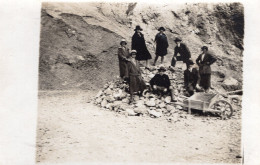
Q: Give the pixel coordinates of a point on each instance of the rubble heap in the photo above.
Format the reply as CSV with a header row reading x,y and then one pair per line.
x,y
114,96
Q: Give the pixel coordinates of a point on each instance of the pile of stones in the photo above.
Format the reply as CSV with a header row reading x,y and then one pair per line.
x,y
114,96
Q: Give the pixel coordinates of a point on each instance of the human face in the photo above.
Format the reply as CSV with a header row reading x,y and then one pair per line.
x,y
178,43
133,55
161,72
138,31
204,51
123,43
161,31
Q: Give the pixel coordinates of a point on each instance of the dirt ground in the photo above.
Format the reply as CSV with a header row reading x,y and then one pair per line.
x,y
70,129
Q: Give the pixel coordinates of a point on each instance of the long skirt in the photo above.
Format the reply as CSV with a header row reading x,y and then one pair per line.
x,y
205,81
136,84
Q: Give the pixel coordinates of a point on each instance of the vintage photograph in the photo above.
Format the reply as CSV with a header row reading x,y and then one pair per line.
x,y
140,83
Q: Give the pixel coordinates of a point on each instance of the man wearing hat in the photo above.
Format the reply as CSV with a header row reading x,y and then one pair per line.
x,y
183,50
123,54
161,45
204,61
161,84
190,78
138,44
136,82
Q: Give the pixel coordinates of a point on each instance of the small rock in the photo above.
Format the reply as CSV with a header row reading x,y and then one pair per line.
x,y
154,113
104,103
167,100
130,112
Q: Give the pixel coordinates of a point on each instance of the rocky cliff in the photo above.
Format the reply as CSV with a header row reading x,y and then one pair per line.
x,y
79,41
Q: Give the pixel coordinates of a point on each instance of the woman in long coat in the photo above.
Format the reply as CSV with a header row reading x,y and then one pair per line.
x,y
161,45
204,61
138,44
136,83
123,54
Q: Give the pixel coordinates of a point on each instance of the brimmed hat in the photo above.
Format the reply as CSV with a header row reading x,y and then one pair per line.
x,y
177,39
161,28
133,51
204,47
162,69
190,62
138,28
123,40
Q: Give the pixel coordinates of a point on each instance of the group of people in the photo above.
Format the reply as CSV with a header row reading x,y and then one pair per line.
x,y
130,71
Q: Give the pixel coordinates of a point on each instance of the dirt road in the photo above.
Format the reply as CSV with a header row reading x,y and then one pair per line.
x,y
72,130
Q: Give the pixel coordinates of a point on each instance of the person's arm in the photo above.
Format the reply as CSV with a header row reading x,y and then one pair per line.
x,y
212,60
175,51
133,45
120,54
198,60
187,51
168,82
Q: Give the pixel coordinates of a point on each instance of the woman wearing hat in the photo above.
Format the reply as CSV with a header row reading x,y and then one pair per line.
x,y
190,78
161,45
136,83
123,54
204,61
183,50
138,44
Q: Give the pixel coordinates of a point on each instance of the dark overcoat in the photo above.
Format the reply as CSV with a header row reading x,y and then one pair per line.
x,y
161,44
204,64
138,44
136,82
191,78
123,54
161,80
183,51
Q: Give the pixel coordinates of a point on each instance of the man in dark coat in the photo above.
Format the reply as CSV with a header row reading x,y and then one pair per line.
x,y
138,44
204,61
123,54
136,82
161,84
190,78
161,45
184,52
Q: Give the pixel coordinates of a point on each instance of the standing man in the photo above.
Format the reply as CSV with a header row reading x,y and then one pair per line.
x,y
123,54
138,44
191,76
204,61
184,52
161,84
161,45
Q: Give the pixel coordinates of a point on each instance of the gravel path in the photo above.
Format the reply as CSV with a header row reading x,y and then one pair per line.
x,y
72,130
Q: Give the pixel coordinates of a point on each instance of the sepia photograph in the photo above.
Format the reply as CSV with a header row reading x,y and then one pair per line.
x,y
140,82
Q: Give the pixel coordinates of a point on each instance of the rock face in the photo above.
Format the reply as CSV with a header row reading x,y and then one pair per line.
x,y
79,41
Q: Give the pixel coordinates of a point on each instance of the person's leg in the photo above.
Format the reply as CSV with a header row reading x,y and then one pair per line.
x,y
162,59
155,60
172,94
173,62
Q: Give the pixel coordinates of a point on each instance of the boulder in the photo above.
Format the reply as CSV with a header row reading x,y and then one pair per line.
x,y
151,102
104,103
155,113
98,100
99,93
108,91
170,108
130,112
168,99
162,105
230,81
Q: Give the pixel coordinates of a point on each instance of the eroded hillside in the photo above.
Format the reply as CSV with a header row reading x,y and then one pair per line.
x,y
78,48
